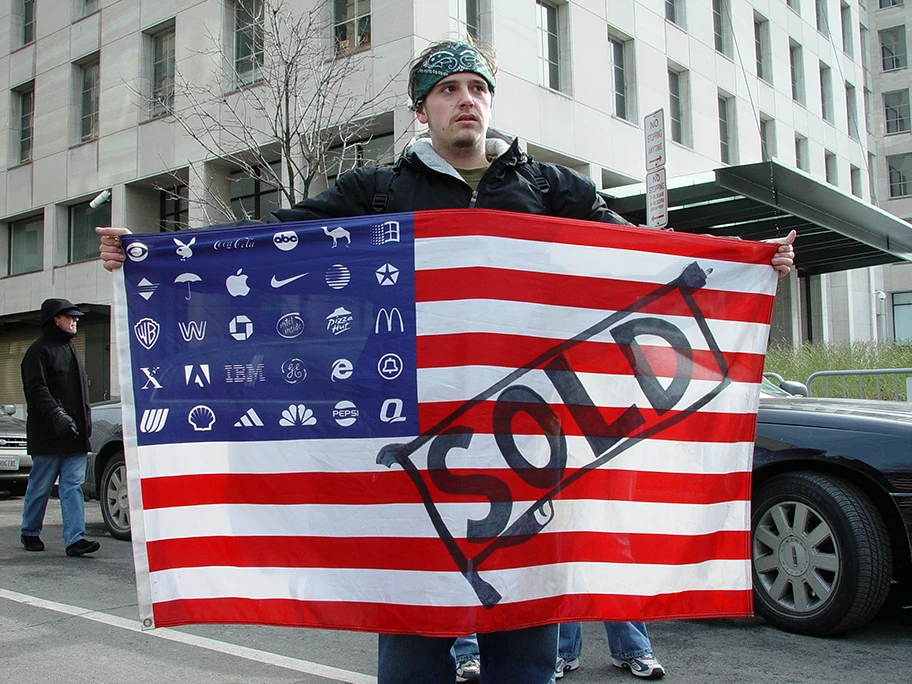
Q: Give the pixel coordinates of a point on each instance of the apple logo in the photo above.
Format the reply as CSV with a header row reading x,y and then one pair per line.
x,y
237,284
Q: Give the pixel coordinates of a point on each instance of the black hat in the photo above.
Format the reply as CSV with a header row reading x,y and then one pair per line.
x,y
55,307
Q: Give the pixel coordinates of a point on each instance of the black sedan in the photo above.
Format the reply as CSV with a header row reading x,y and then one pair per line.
x,y
832,505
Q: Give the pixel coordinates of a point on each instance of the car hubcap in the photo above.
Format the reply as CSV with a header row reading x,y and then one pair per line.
x,y
118,503
795,556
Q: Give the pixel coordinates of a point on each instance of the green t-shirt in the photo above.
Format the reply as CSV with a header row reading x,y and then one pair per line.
x,y
472,176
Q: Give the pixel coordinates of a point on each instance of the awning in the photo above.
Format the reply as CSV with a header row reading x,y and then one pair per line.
x,y
836,231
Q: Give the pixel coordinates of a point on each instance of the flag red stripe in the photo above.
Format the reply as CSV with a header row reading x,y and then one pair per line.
x,y
476,282
430,555
698,426
395,487
452,223
443,621
516,351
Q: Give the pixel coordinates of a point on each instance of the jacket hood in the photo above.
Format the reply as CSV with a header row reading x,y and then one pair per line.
x,y
497,144
52,307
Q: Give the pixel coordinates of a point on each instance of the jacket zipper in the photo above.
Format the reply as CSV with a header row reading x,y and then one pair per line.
x,y
474,199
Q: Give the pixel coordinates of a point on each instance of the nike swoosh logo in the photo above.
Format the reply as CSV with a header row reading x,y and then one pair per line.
x,y
282,283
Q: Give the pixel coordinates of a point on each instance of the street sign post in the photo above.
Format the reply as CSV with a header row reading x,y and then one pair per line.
x,y
654,125
656,199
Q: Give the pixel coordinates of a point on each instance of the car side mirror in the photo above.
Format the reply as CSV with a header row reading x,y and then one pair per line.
x,y
799,389
8,409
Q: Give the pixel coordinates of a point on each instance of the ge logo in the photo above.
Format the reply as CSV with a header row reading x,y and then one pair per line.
x,y
342,369
293,371
286,240
389,366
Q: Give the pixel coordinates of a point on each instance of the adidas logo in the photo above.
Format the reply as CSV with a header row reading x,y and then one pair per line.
x,y
249,419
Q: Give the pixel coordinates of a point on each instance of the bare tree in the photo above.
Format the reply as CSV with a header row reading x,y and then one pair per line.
x,y
292,90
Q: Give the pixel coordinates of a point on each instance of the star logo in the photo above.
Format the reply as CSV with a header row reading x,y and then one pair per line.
x,y
387,275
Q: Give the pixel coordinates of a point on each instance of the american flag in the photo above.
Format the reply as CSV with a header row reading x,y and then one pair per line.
x,y
440,423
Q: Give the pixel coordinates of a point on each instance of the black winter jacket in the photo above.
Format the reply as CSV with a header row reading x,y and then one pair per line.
x,y
422,180
52,376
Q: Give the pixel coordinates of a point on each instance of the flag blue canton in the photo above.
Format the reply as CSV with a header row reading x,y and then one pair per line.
x,y
274,332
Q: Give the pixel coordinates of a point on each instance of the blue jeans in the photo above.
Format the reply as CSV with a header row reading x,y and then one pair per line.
x,y
45,469
465,648
520,655
625,640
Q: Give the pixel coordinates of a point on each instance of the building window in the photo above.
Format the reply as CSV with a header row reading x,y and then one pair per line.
x,y
83,242
621,76
162,95
821,13
677,106
845,18
767,137
855,180
902,316
893,48
872,188
254,196
465,17
26,246
890,3
793,4
28,21
248,40
801,153
826,93
351,25
721,26
851,111
173,209
796,72
674,11
379,150
548,45
829,166
867,110
762,49
863,45
89,73
899,168
725,128
26,102
89,6
896,111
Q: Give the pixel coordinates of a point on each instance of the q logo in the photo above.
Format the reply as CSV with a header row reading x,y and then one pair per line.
x,y
342,369
391,411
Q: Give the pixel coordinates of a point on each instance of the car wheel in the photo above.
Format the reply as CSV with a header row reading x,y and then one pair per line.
x,y
115,506
821,555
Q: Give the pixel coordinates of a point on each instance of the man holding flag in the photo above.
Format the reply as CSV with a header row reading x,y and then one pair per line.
x,y
461,164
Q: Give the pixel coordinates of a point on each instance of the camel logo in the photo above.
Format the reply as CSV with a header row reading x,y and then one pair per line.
x,y
287,240
381,233
153,420
389,316
297,415
339,321
147,332
338,234
193,330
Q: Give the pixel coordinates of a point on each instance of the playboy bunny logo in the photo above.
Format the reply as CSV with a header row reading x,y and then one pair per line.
x,y
183,250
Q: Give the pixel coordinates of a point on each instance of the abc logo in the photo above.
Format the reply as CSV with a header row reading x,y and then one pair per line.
x,y
285,241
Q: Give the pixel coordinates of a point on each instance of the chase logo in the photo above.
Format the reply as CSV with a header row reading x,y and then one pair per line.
x,y
286,240
147,332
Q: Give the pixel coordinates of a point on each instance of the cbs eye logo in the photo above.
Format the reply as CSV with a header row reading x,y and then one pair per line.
x,y
136,251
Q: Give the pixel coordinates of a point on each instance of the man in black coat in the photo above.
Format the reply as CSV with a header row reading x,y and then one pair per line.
x,y
58,428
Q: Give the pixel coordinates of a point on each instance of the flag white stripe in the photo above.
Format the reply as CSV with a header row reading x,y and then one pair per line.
x,y
356,457
411,520
562,323
461,383
580,260
428,588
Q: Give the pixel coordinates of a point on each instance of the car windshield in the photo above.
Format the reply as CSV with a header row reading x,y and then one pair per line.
x,y
768,389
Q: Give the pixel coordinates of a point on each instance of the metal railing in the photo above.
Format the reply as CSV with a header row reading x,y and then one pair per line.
x,y
901,391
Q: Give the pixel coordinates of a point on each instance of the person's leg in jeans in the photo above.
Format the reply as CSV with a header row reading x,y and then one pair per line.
x,y
72,501
519,655
464,651
631,650
41,480
569,648
413,659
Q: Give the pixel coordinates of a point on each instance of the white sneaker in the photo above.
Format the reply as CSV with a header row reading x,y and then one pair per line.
x,y
645,666
469,671
565,666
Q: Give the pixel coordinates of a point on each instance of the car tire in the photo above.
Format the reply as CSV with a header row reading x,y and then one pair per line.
x,y
821,556
112,492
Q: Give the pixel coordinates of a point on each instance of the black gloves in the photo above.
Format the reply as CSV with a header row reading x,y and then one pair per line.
x,y
64,426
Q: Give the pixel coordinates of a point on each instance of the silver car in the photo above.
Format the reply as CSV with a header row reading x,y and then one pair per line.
x,y
15,463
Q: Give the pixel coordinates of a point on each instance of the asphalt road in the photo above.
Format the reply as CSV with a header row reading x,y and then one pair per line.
x,y
73,620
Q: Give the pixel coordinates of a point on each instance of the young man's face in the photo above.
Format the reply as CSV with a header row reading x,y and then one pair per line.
x,y
457,111
66,323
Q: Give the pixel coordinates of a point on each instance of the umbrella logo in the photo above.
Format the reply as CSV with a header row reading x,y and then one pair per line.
x,y
188,278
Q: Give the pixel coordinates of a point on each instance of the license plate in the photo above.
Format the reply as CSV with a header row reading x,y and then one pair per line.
x,y
9,463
